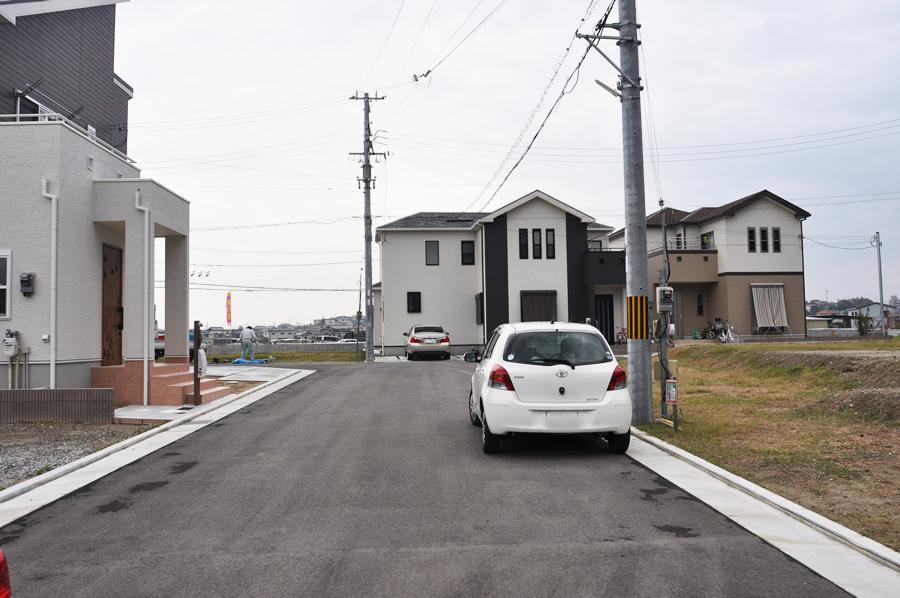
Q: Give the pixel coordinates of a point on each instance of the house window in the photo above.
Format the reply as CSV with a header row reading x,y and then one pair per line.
x,y
414,302
763,240
432,253
467,248
707,241
479,308
551,244
523,243
536,243
595,244
699,304
5,295
679,243
776,240
751,240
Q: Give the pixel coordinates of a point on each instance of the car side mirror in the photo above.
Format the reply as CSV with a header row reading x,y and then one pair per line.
x,y
405,334
471,357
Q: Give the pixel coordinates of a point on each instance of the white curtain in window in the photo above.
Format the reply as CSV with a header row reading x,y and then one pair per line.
x,y
768,304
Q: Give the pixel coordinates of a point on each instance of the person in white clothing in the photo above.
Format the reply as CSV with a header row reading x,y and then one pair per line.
x,y
248,337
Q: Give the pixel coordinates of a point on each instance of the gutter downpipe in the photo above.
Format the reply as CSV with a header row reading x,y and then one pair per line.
x,y
146,211
54,234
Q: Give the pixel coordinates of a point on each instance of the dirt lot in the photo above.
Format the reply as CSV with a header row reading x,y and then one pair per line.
x,y
27,450
819,425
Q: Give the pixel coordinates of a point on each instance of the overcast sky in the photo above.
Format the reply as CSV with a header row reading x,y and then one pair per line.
x,y
242,108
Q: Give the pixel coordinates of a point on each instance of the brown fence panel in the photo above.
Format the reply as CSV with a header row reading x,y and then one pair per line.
x,y
69,405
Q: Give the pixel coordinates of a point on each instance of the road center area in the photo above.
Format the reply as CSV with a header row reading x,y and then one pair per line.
x,y
370,480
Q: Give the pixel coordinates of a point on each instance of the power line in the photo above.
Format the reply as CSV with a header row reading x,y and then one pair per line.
x,y
418,35
268,265
598,29
276,224
383,44
463,40
559,64
837,247
893,123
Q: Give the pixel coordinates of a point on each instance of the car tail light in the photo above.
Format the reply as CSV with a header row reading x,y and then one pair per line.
x,y
5,586
445,339
500,378
414,340
618,380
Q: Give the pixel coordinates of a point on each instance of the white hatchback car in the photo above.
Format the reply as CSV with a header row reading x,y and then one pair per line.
x,y
549,377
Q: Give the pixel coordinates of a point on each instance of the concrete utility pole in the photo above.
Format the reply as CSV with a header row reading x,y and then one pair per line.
x,y
636,280
368,182
877,241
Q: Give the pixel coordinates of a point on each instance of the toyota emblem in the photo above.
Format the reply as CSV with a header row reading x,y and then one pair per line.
x,y
561,373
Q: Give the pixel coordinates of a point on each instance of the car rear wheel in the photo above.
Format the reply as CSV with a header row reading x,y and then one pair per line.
x,y
490,442
473,417
618,443
411,356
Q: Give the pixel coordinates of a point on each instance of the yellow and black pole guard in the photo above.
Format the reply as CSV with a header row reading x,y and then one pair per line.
x,y
637,317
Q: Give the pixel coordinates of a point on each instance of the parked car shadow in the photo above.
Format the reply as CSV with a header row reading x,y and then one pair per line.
x,y
555,446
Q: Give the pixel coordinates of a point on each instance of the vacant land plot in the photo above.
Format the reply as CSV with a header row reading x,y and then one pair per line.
x,y
817,423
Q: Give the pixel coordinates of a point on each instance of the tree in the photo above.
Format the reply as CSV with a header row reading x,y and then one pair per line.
x,y
843,304
864,325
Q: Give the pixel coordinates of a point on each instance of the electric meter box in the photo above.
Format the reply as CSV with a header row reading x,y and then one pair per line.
x,y
665,299
10,346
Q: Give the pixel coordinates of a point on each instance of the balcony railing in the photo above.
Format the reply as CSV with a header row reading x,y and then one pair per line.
x,y
53,117
691,244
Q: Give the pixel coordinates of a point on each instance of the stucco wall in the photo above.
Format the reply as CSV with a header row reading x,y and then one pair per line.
x,y
448,289
28,153
761,213
531,274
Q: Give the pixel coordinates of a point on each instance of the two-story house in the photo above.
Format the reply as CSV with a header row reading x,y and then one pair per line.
x,y
536,258
78,223
741,262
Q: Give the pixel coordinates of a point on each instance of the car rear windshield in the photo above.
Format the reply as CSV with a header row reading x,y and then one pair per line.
x,y
438,329
557,346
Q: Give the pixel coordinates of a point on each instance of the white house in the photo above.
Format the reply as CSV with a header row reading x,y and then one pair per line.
x,y
470,272
78,223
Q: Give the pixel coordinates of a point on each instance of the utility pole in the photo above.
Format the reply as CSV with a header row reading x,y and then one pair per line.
x,y
367,183
877,241
636,280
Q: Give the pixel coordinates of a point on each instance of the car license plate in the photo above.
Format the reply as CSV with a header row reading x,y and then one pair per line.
x,y
430,341
562,418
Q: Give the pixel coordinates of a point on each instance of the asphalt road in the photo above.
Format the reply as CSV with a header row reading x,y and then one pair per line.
x,y
371,482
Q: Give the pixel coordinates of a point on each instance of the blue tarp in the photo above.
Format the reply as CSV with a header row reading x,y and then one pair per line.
x,y
240,361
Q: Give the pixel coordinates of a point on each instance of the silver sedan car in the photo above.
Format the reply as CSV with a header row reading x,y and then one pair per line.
x,y
422,340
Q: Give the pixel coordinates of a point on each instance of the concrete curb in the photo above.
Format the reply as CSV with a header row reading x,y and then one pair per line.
x,y
35,482
866,546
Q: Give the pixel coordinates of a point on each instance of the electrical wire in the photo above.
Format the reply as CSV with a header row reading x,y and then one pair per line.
x,y
837,247
383,44
463,40
267,265
418,35
556,69
598,29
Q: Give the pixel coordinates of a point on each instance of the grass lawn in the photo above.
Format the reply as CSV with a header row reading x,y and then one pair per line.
x,y
298,357
818,423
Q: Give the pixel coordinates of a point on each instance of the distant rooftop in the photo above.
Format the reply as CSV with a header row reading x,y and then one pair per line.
x,y
426,220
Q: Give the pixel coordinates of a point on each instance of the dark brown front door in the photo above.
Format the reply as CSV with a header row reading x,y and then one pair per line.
x,y
112,313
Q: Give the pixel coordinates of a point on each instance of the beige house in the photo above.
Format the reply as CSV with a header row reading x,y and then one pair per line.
x,y
741,262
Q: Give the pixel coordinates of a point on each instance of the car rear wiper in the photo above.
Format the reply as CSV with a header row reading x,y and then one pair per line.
x,y
557,360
